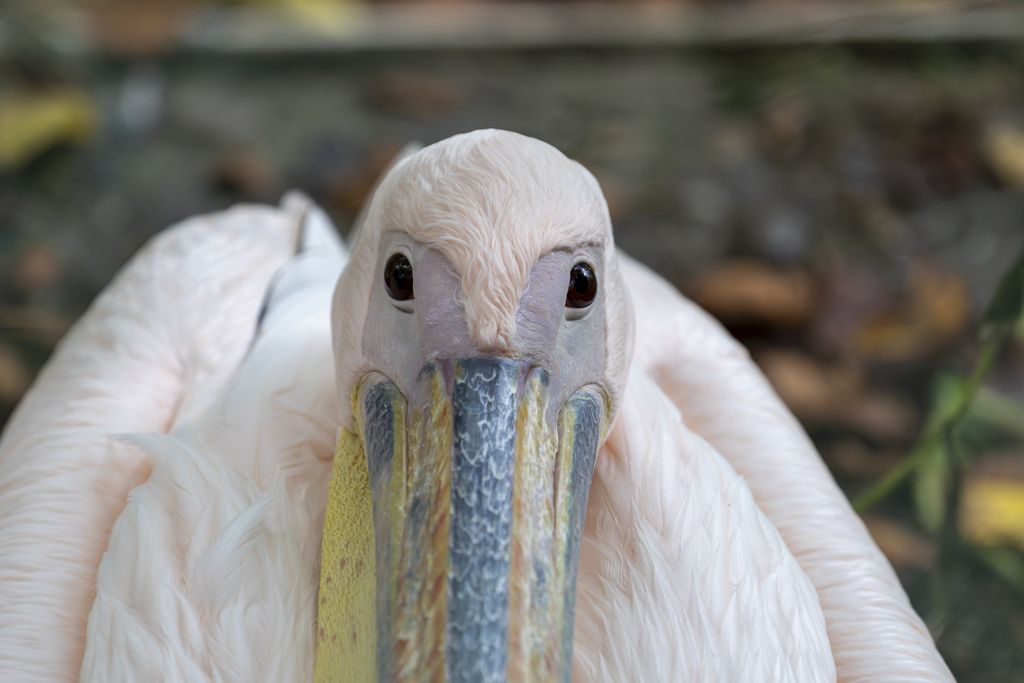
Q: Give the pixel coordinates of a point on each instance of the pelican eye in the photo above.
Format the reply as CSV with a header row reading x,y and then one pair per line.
x,y
582,286
398,278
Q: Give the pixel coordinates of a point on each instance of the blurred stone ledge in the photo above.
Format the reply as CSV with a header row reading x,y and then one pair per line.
x,y
597,24
131,29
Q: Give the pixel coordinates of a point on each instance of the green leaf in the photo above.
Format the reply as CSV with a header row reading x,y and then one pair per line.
x,y
998,409
949,397
931,487
1004,310
952,402
1006,562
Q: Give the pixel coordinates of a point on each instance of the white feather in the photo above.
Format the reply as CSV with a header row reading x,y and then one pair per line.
x,y
875,633
682,577
213,568
157,346
210,573
207,577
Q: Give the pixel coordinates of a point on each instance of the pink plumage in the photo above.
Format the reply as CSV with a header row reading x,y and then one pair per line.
x,y
162,487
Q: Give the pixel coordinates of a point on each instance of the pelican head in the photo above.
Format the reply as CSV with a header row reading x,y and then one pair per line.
x,y
482,336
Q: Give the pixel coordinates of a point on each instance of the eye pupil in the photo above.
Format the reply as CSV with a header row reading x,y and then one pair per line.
x,y
398,278
582,286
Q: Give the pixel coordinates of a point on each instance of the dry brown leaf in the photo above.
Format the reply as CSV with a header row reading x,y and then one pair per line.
x,y
820,394
853,458
745,291
44,328
849,297
1003,145
418,97
36,268
880,416
350,190
904,548
811,389
14,377
784,124
936,309
939,299
134,28
33,122
246,172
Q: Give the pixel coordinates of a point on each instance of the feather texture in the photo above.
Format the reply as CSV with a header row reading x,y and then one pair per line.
x,y
492,202
682,577
221,413
209,577
213,567
206,577
122,368
875,633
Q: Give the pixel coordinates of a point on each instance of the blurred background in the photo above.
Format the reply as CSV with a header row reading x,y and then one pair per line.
x,y
841,185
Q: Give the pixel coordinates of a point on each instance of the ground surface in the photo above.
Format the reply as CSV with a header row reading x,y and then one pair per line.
x,y
846,212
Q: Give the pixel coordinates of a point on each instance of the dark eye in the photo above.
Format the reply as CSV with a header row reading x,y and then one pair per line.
x,y
582,286
398,278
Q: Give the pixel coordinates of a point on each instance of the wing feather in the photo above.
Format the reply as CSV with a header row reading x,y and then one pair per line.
x,y
156,347
874,631
682,577
226,532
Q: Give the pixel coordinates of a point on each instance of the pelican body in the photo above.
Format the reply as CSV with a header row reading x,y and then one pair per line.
x,y
481,446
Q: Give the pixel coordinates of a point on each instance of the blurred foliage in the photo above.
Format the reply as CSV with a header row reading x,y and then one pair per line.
x,y
32,123
990,512
1006,562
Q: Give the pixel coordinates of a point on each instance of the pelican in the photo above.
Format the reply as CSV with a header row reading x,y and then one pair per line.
x,y
481,446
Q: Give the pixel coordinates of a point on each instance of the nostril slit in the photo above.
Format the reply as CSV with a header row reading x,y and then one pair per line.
x,y
448,374
526,372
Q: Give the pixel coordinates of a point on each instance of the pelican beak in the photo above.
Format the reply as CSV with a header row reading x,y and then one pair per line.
x,y
479,492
